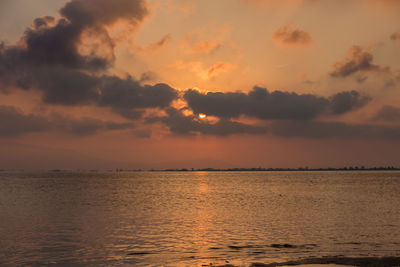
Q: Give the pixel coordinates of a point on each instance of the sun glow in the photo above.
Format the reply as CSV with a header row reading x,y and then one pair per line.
x,y
202,116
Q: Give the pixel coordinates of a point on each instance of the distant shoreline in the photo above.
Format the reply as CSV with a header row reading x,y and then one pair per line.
x,y
389,168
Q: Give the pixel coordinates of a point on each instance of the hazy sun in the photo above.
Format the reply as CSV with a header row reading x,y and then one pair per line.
x,y
202,116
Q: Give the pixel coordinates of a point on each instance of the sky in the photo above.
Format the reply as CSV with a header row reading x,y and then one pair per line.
x,y
97,84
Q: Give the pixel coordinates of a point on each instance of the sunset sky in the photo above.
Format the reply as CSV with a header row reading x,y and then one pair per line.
x,y
184,83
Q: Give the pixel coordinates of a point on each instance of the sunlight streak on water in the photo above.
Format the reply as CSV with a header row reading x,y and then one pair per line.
x,y
195,218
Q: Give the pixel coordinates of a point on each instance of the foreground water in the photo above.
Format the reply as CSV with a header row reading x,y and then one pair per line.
x,y
195,218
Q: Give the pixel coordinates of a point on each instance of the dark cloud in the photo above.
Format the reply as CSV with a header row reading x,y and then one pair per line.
x,y
388,113
180,124
277,105
85,126
129,98
57,85
361,79
189,125
91,17
320,130
347,101
125,96
50,59
129,93
52,42
142,133
395,36
67,87
54,46
357,60
288,35
147,76
55,58
43,22
16,123
95,13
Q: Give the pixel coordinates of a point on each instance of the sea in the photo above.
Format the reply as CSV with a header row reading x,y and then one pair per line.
x,y
196,218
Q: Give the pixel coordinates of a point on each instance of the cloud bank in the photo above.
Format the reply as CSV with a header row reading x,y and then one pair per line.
x,y
261,104
54,59
16,123
67,61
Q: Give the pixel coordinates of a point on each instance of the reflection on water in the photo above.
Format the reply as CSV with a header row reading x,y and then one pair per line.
x,y
195,218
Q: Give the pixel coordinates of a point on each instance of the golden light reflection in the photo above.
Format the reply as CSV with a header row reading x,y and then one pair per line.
x,y
204,214
202,116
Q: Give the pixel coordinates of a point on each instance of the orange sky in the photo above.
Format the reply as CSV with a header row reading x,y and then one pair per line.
x,y
94,84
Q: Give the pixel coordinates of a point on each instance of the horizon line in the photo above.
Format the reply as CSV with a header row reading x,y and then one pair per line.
x,y
259,169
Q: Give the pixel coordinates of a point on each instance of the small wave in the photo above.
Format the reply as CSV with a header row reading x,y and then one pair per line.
x,y
292,246
349,243
361,261
242,247
139,253
282,246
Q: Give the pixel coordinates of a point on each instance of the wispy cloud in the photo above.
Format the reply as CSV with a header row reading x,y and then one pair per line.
x,y
206,73
160,44
357,60
290,35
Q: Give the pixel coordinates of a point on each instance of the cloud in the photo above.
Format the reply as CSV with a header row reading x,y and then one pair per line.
x,y
357,60
208,41
180,124
78,40
65,59
43,22
97,13
61,42
125,96
220,67
205,47
128,97
48,47
321,130
206,73
261,104
155,46
142,133
85,126
347,101
65,87
395,36
16,123
148,76
288,35
185,7
388,113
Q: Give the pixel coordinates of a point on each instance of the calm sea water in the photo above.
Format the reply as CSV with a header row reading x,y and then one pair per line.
x,y
195,218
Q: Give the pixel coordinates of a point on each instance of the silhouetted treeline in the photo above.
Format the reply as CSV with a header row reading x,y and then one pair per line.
x,y
350,168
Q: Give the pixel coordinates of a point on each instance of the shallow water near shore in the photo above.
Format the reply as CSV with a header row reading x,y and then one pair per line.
x,y
196,218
